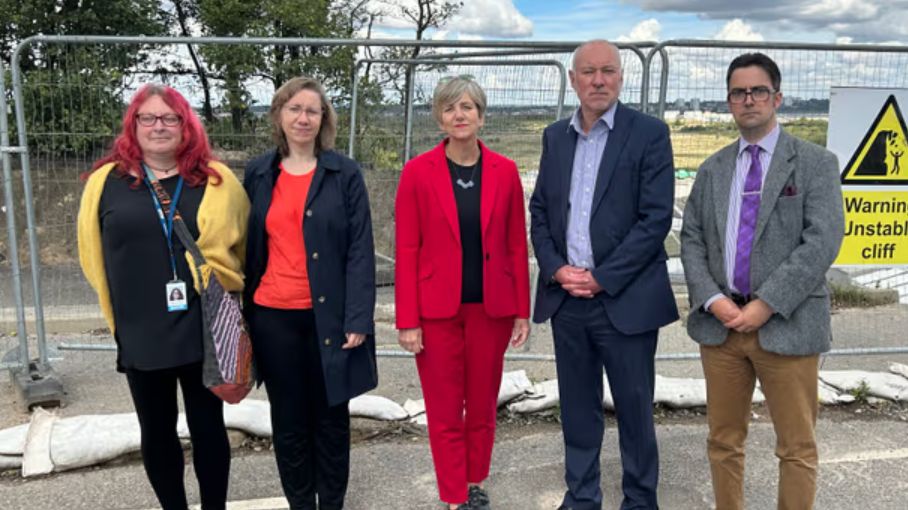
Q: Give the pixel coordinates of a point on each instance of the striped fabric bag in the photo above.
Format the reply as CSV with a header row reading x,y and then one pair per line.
x,y
227,349
227,354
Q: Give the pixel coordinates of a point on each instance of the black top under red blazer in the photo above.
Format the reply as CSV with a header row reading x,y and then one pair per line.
x,y
429,258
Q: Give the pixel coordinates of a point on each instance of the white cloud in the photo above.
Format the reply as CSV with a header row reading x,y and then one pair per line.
x,y
646,30
864,21
493,18
490,18
737,30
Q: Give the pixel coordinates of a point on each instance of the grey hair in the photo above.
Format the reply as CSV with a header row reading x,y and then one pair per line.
x,y
590,43
449,90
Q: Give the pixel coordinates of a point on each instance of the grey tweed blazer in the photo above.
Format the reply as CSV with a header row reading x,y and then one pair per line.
x,y
798,233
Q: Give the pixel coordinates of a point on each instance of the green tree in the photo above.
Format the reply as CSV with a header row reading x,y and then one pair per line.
x,y
72,90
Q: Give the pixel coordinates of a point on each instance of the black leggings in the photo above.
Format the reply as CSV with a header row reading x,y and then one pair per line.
x,y
311,439
154,393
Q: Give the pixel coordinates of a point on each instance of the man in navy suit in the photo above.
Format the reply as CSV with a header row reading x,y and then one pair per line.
x,y
600,213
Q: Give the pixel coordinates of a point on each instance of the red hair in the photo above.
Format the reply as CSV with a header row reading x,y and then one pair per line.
x,y
193,154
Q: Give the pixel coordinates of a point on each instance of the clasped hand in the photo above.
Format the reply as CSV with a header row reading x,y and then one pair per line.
x,y
744,319
577,281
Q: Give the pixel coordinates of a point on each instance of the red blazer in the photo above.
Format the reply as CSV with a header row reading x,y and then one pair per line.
x,y
429,265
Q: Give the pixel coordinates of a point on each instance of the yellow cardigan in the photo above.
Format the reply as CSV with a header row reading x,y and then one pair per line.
x,y
222,219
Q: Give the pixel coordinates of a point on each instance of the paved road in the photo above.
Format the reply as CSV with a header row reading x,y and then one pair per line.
x,y
863,466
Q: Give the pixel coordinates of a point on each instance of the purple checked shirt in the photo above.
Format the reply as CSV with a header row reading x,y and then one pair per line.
x,y
742,165
587,157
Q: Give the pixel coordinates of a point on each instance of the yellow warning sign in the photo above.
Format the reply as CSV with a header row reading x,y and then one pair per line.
x,y
876,228
881,157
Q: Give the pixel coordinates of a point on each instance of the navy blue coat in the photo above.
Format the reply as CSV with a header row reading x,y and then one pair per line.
x,y
630,218
337,230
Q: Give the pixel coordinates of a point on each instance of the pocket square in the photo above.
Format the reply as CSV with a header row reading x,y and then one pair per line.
x,y
790,190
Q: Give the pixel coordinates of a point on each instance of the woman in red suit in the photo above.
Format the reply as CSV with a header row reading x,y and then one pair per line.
x,y
461,286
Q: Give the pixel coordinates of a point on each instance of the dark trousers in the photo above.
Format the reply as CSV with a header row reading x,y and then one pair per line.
x,y
311,439
154,394
585,342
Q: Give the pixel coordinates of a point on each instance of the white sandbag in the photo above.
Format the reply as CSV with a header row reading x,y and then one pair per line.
x,y
36,458
879,384
677,392
87,440
827,395
758,397
899,368
415,407
12,440
513,385
539,397
10,462
251,416
607,401
377,408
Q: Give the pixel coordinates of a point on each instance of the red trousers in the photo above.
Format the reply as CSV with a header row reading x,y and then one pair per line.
x,y
460,371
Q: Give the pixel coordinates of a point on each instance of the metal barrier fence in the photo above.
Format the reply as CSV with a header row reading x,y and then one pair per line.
x,y
67,116
691,98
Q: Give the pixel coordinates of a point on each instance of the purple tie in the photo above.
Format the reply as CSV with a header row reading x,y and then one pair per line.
x,y
750,207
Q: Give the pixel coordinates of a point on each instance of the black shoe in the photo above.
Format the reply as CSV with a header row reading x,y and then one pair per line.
x,y
479,499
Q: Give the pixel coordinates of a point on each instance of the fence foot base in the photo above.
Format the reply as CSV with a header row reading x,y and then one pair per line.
x,y
37,385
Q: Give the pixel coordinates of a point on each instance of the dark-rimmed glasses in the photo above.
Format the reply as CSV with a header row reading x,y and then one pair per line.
x,y
168,119
759,94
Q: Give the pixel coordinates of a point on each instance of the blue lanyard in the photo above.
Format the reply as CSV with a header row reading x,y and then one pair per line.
x,y
166,221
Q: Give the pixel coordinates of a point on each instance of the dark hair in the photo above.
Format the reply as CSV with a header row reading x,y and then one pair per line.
x,y
760,60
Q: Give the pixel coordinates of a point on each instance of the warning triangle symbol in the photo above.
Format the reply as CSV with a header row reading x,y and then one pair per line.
x,y
882,156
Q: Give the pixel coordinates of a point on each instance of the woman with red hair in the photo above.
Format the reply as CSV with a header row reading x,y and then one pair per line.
x,y
145,279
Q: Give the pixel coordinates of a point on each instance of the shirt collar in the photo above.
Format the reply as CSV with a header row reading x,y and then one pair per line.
x,y
608,118
767,143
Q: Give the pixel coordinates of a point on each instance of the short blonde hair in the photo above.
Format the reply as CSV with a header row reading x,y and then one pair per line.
x,y
450,89
327,132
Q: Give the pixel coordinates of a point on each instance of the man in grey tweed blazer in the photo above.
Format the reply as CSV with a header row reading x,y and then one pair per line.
x,y
762,225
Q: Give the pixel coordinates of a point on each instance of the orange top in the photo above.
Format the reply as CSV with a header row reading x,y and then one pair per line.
x,y
285,284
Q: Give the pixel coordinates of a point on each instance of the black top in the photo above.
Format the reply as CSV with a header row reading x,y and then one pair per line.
x,y
137,264
467,200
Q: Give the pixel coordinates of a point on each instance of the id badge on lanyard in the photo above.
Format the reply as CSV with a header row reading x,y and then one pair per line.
x,y
174,290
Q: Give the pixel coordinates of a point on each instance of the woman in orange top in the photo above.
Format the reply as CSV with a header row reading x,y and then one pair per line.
x,y
310,293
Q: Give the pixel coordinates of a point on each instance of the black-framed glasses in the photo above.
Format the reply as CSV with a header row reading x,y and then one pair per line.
x,y
168,119
759,94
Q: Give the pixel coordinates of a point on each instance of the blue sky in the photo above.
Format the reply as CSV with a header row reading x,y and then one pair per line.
x,y
858,21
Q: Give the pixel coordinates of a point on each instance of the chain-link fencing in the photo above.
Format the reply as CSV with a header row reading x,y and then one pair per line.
x,y
70,93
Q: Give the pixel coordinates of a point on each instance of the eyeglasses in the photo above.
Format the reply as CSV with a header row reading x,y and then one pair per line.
x,y
168,119
759,94
296,110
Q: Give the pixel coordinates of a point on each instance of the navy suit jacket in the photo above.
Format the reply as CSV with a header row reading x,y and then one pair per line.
x,y
631,215
338,226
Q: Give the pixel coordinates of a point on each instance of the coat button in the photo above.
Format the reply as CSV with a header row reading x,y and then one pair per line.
x,y
321,299
487,256
315,255
327,341
309,212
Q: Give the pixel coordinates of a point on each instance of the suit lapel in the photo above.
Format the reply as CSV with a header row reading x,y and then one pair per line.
x,y
780,168
565,148
488,188
440,181
617,139
722,176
